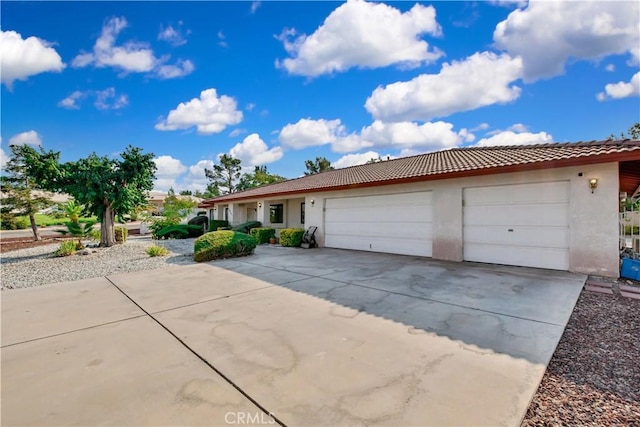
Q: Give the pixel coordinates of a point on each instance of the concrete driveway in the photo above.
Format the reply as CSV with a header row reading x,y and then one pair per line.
x,y
317,338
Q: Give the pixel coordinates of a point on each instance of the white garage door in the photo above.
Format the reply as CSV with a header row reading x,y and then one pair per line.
x,y
393,223
525,225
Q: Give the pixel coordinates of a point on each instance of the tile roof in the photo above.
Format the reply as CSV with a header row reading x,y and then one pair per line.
x,y
448,164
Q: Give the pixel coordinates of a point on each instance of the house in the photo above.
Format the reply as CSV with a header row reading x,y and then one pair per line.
x,y
551,206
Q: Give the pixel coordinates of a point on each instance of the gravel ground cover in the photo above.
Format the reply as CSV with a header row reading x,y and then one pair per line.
x,y
38,266
593,378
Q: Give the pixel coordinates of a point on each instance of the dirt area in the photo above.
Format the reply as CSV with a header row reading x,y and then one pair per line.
x,y
14,243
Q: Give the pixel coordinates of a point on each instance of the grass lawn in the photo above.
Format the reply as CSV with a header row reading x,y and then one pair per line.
x,y
47,220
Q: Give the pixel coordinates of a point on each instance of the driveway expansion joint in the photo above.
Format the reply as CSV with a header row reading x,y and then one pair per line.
x,y
202,359
74,330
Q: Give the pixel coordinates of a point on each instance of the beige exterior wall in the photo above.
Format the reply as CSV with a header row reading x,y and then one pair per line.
x,y
593,223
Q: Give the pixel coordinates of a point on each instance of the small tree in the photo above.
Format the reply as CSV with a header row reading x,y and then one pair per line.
x,y
321,164
224,175
632,133
107,187
258,178
19,187
175,208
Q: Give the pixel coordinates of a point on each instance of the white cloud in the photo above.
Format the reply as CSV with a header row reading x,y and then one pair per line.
x,y
479,80
108,100
168,170
610,67
26,138
179,69
172,35
254,6
519,128
195,178
357,159
621,89
509,137
237,132
134,57
209,114
3,159
547,34
253,151
308,133
70,102
407,135
21,59
365,35
399,135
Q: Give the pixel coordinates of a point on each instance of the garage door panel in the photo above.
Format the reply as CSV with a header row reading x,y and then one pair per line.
x,y
553,215
553,237
555,259
518,193
406,199
384,245
382,215
394,223
523,224
373,230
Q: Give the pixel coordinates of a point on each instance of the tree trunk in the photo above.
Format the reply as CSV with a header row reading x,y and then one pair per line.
x,y
34,228
107,233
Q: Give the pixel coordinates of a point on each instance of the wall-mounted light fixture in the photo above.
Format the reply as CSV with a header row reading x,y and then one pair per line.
x,y
259,204
313,202
593,184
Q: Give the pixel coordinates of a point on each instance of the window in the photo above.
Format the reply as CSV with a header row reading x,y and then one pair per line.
x,y
226,214
276,214
302,213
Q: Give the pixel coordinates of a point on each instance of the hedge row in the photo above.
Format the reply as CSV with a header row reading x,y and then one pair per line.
x,y
222,244
291,237
262,234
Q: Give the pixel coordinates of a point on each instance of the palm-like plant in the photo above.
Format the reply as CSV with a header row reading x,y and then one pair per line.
x,y
80,231
73,210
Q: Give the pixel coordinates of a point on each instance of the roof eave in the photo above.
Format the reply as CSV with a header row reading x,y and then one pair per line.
x,y
549,164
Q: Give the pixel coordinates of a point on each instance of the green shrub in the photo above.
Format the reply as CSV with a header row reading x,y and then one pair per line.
x,y
180,231
67,248
23,223
222,244
247,226
262,234
157,223
223,228
201,221
155,250
121,233
291,237
214,224
7,220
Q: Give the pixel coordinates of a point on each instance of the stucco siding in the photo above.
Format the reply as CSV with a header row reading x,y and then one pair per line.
x,y
593,225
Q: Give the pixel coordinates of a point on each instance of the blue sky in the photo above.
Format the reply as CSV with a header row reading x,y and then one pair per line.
x,y
276,83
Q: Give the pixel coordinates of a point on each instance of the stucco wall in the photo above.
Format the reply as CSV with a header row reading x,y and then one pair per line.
x,y
593,223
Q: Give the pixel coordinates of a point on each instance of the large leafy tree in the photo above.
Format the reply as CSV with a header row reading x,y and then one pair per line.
x,y
224,175
107,187
19,188
259,177
320,164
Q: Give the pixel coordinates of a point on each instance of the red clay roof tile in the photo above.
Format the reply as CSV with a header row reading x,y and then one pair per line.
x,y
446,164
